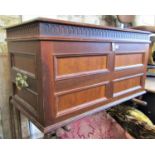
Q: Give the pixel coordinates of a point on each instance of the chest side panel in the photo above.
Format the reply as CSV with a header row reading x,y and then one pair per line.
x,y
24,56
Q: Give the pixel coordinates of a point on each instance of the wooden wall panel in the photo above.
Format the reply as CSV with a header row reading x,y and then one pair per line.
x,y
128,59
74,99
75,65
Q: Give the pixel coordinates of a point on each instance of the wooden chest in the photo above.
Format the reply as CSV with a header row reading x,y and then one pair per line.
x,y
62,71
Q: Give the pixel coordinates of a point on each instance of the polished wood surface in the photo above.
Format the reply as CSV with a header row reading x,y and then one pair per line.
x,y
124,85
128,59
78,98
74,70
80,64
24,62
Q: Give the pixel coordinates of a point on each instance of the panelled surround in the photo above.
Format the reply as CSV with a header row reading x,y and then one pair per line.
x,y
71,70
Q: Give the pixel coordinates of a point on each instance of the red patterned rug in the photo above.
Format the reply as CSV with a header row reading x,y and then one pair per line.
x,y
97,126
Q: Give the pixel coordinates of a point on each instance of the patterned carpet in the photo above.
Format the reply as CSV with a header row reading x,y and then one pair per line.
x,y
97,126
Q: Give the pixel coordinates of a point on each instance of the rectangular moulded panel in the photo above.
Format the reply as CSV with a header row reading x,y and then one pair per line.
x,y
24,47
130,47
85,98
28,100
24,62
76,83
128,60
123,86
80,64
28,96
66,47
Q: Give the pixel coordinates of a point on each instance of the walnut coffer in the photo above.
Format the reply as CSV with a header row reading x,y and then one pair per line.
x,y
62,71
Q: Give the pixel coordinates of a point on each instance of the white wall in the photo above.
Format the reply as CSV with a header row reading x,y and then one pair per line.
x,y
92,19
140,19
30,17
145,20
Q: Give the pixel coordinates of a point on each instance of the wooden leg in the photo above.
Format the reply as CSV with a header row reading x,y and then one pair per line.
x,y
12,121
18,123
29,126
47,136
50,135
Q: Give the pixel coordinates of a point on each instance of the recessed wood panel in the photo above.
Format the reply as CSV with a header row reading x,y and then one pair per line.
x,y
128,59
24,62
75,99
84,81
80,47
126,84
24,47
75,65
30,97
130,47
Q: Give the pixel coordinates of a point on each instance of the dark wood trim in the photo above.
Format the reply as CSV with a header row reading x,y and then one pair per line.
x,y
128,77
12,120
38,38
19,126
81,74
126,91
128,67
24,72
81,88
129,52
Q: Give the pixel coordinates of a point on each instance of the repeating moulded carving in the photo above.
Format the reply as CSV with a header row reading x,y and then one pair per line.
x,y
53,29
